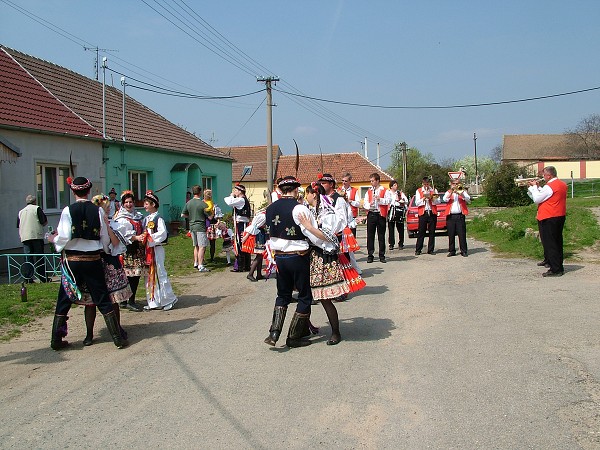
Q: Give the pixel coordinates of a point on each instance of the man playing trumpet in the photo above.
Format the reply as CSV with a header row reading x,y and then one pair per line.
x,y
457,198
426,200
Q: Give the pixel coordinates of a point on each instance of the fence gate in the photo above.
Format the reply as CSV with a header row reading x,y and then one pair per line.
x,y
28,267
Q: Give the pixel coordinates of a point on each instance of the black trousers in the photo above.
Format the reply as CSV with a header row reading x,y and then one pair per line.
x,y
391,233
551,234
375,224
38,264
92,274
457,226
427,223
293,271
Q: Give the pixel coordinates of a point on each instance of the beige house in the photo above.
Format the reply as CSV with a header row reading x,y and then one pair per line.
x,y
537,151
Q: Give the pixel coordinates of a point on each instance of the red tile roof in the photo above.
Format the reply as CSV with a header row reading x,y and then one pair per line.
x,y
255,156
83,96
26,103
334,163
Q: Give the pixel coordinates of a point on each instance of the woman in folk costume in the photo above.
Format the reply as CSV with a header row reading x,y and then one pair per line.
x,y
326,277
116,280
131,229
349,244
253,241
159,292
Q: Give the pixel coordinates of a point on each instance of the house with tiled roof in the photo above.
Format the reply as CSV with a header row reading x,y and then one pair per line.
x,y
250,169
51,116
536,151
335,164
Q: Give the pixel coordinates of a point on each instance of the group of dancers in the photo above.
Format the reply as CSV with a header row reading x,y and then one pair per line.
x,y
103,259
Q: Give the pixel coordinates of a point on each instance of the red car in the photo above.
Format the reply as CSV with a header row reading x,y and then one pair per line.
x,y
412,217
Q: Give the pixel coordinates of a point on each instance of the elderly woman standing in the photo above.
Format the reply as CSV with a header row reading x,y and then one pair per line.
x,y
130,223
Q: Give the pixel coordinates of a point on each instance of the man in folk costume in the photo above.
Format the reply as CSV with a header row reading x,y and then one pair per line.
x,y
81,235
552,210
426,201
353,198
241,213
456,212
288,241
114,205
376,204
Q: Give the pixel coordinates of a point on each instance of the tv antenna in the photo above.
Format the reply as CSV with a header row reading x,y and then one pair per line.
x,y
98,50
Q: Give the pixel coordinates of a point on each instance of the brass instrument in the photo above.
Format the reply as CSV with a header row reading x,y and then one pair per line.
x,y
523,182
458,189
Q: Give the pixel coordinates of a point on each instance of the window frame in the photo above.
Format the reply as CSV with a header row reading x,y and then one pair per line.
x,y
138,192
62,191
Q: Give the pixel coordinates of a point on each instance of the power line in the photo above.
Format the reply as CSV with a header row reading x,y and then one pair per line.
x,y
472,105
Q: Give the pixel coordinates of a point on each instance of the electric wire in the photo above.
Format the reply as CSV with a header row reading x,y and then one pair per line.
x,y
246,123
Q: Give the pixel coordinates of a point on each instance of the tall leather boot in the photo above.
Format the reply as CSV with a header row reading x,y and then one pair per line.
x,y
59,331
90,318
277,325
297,331
114,329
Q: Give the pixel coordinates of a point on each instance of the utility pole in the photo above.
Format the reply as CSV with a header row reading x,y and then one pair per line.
x,y
268,82
97,50
476,171
404,164
104,59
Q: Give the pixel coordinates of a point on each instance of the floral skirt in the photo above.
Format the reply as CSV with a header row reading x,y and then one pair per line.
x,y
116,282
326,277
133,260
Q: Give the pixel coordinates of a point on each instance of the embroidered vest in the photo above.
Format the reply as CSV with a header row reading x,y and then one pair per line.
x,y
85,221
280,222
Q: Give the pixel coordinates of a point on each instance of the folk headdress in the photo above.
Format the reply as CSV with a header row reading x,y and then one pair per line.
x,y
152,197
326,177
240,187
289,181
127,194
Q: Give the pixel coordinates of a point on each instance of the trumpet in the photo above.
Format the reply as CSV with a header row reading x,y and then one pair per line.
x,y
523,182
458,189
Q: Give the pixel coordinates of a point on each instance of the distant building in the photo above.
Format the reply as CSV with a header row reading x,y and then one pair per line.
x,y
535,151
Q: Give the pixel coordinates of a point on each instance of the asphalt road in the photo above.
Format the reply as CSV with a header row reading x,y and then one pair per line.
x,y
477,352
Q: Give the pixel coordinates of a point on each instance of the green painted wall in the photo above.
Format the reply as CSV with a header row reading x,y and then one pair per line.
x,y
121,159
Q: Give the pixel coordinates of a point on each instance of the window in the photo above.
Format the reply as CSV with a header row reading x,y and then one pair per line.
x,y
53,193
206,183
138,183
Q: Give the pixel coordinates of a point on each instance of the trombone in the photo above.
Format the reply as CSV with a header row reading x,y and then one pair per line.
x,y
430,193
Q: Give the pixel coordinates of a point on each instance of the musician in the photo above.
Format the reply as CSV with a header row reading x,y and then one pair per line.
x,y
426,200
552,209
456,211
353,198
396,215
376,203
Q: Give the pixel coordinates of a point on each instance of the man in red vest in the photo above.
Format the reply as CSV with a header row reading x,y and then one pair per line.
x,y
552,209
426,200
456,210
353,198
376,203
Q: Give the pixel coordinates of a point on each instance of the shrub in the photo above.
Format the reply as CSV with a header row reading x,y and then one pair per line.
x,y
500,188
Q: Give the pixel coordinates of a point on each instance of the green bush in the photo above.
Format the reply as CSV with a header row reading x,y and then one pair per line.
x,y
500,188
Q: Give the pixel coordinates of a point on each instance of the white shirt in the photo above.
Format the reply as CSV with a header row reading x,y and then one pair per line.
x,y
540,194
393,197
455,208
237,202
352,201
421,201
378,199
63,239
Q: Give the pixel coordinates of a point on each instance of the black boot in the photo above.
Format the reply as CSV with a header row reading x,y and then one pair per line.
x,y
277,325
59,331
114,329
90,318
297,330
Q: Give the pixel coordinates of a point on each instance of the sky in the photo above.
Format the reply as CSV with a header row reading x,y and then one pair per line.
x,y
397,57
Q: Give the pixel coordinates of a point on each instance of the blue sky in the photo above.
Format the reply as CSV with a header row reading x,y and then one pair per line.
x,y
392,53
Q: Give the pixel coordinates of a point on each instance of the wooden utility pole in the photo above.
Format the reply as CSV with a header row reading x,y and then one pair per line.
x,y
268,82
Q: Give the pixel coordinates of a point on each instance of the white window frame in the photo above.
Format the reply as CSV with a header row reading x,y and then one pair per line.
x,y
62,192
206,183
139,191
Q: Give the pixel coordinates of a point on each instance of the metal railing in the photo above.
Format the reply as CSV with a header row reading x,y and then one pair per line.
x,y
22,267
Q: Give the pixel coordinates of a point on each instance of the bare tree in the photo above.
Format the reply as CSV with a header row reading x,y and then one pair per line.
x,y
586,136
496,154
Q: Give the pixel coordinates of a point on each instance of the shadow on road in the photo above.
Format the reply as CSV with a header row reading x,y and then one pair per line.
x,y
366,329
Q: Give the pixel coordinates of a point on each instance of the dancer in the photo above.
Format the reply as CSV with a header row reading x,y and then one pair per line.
x,y
81,234
114,275
253,242
241,217
159,292
130,227
288,241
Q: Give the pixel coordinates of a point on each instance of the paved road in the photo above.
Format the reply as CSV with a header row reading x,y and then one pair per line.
x,y
477,352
